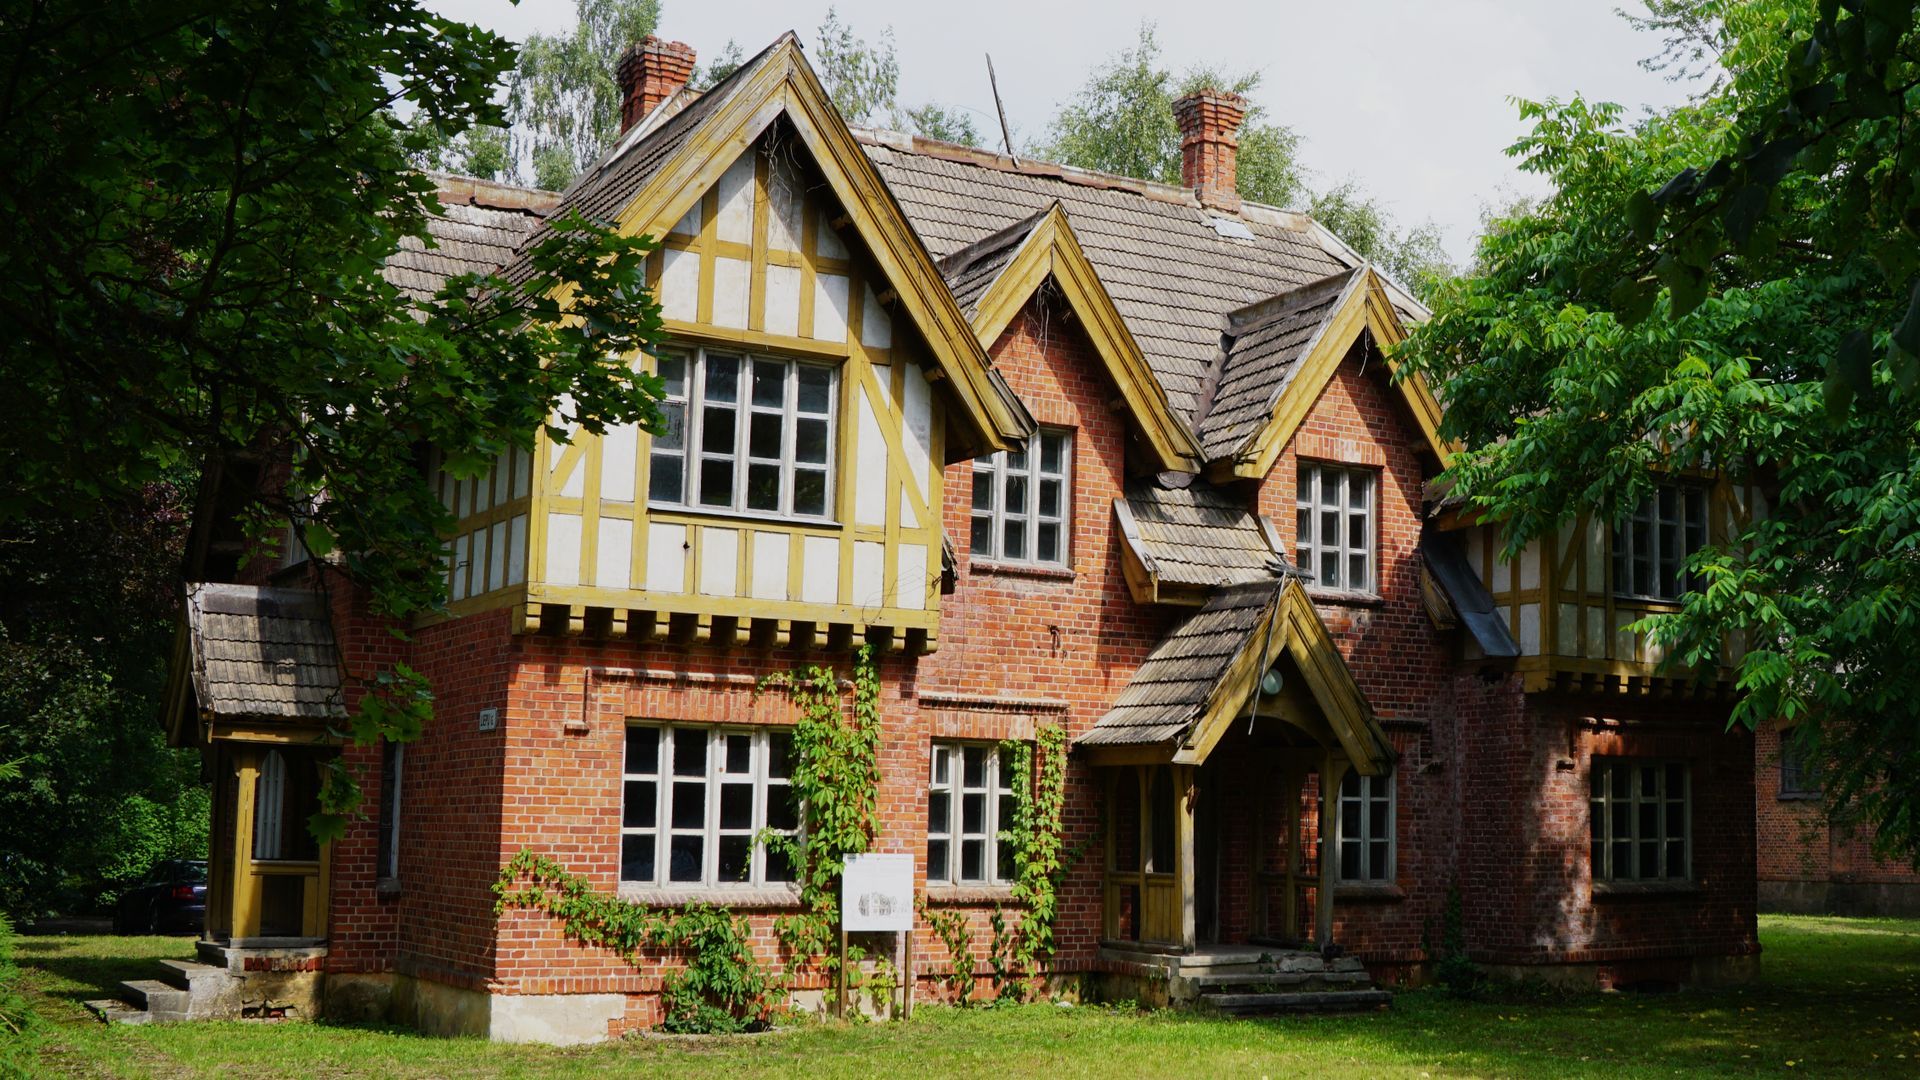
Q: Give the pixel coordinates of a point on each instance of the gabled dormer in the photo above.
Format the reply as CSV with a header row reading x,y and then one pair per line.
x,y
818,375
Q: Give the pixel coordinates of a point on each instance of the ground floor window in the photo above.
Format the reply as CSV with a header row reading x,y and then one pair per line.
x,y
1641,820
969,802
1797,779
1366,828
387,858
698,801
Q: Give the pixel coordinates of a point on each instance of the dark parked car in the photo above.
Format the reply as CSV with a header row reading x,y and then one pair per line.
x,y
172,899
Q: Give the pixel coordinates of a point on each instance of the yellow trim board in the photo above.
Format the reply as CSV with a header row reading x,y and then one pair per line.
x,y
1365,306
1292,628
1051,250
785,85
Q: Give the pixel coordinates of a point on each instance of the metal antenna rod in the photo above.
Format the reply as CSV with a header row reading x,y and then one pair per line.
x,y
1006,139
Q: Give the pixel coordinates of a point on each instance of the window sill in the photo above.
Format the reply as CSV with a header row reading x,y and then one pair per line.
x,y
1031,570
764,517
1384,892
1798,796
732,897
1344,597
1651,603
1645,888
386,887
969,894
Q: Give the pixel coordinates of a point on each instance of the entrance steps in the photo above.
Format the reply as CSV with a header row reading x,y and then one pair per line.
x,y
1241,980
225,983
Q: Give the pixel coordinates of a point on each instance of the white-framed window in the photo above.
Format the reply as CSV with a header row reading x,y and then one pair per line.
x,y
387,856
753,434
696,800
1799,778
969,803
1650,549
1334,538
1641,819
1366,828
1020,502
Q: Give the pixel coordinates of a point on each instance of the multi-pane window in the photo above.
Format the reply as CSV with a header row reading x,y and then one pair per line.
x,y
969,803
1335,531
697,801
1020,502
1650,549
1797,777
1366,828
746,433
387,856
1640,820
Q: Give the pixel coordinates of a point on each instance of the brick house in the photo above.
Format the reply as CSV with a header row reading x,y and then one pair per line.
x,y
1807,864
1066,449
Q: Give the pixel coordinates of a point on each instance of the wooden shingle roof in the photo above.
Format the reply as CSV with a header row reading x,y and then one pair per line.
x,y
478,231
262,652
1170,691
1199,536
1259,354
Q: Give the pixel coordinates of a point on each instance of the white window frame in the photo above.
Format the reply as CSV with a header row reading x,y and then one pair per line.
x,y
688,402
1358,795
946,778
1609,809
387,850
1324,489
766,790
1028,465
1798,779
1667,527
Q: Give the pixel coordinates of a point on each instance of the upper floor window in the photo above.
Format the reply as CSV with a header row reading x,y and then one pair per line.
x,y
747,433
1639,820
1650,549
1366,828
698,803
1334,539
1020,502
969,803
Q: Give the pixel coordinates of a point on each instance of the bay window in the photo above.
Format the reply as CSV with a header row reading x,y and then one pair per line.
x,y
752,434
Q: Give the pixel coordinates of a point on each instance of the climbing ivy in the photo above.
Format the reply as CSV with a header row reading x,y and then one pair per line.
x,y
1040,798
951,928
722,988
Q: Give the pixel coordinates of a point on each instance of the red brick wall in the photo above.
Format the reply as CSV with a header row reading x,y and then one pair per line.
x,y
1801,857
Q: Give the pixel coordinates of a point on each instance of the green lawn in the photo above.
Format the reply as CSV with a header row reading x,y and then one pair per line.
x,y
1840,997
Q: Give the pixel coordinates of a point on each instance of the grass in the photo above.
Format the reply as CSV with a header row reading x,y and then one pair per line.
x,y
1838,997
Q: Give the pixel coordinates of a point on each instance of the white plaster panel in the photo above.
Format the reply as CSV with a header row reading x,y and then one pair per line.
x,y
667,558
619,449
917,439
1530,629
458,590
869,574
497,556
689,223
613,554
735,222
563,549
501,465
1530,565
730,278
785,206
1595,554
820,570
517,550
870,468
1567,630
1624,645
912,578
574,486
679,285
719,561
909,519
783,300
1596,632
1477,553
827,242
522,473
769,566
876,328
829,307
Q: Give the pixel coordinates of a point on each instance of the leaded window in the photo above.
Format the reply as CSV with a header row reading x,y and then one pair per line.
x,y
1334,534
698,803
1366,828
970,802
1020,502
1650,549
745,433
1640,820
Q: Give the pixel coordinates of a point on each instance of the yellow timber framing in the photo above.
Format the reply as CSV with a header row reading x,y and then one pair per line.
x,y
1291,627
1363,306
1051,250
784,84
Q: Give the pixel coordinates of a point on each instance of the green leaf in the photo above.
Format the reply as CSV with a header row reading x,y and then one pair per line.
x,y
1853,363
1632,298
1743,211
1907,334
319,539
1686,282
1643,216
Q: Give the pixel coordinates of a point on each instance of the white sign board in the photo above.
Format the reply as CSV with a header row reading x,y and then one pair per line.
x,y
876,893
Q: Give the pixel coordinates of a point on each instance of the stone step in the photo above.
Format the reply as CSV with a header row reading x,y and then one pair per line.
x,y
184,973
165,1003
1303,1001
1289,980
115,1011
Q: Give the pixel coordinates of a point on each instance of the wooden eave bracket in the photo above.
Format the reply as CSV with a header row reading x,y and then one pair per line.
x,y
1143,577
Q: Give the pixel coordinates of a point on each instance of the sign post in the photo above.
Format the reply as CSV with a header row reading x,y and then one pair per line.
x,y
876,895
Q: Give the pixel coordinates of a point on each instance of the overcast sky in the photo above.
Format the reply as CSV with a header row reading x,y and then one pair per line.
x,y
1410,97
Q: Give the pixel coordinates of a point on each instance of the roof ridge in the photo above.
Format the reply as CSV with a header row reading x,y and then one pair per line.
x,y
963,259
1242,320
461,190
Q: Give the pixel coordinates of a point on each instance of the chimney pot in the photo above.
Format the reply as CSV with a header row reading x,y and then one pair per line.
x,y
1209,145
650,72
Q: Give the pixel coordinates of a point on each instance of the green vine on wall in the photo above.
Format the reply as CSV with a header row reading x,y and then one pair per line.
x,y
951,928
722,988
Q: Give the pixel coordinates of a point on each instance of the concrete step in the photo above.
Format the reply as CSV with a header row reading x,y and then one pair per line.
x,y
1252,981
165,1003
115,1011
184,973
1297,1002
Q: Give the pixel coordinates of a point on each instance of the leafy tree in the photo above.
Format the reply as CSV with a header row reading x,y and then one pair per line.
x,y
200,201
862,79
563,101
726,63
943,123
1415,257
1747,320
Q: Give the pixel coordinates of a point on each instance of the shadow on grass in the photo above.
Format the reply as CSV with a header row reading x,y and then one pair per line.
x,y
83,968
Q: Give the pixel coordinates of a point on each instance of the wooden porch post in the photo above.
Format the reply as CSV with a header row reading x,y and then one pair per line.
x,y
1184,798
1332,769
246,887
1290,785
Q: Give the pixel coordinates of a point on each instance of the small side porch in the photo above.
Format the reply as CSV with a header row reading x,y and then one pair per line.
x,y
1223,768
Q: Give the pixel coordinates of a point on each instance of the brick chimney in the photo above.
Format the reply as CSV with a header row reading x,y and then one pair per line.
x,y
649,73
1209,144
